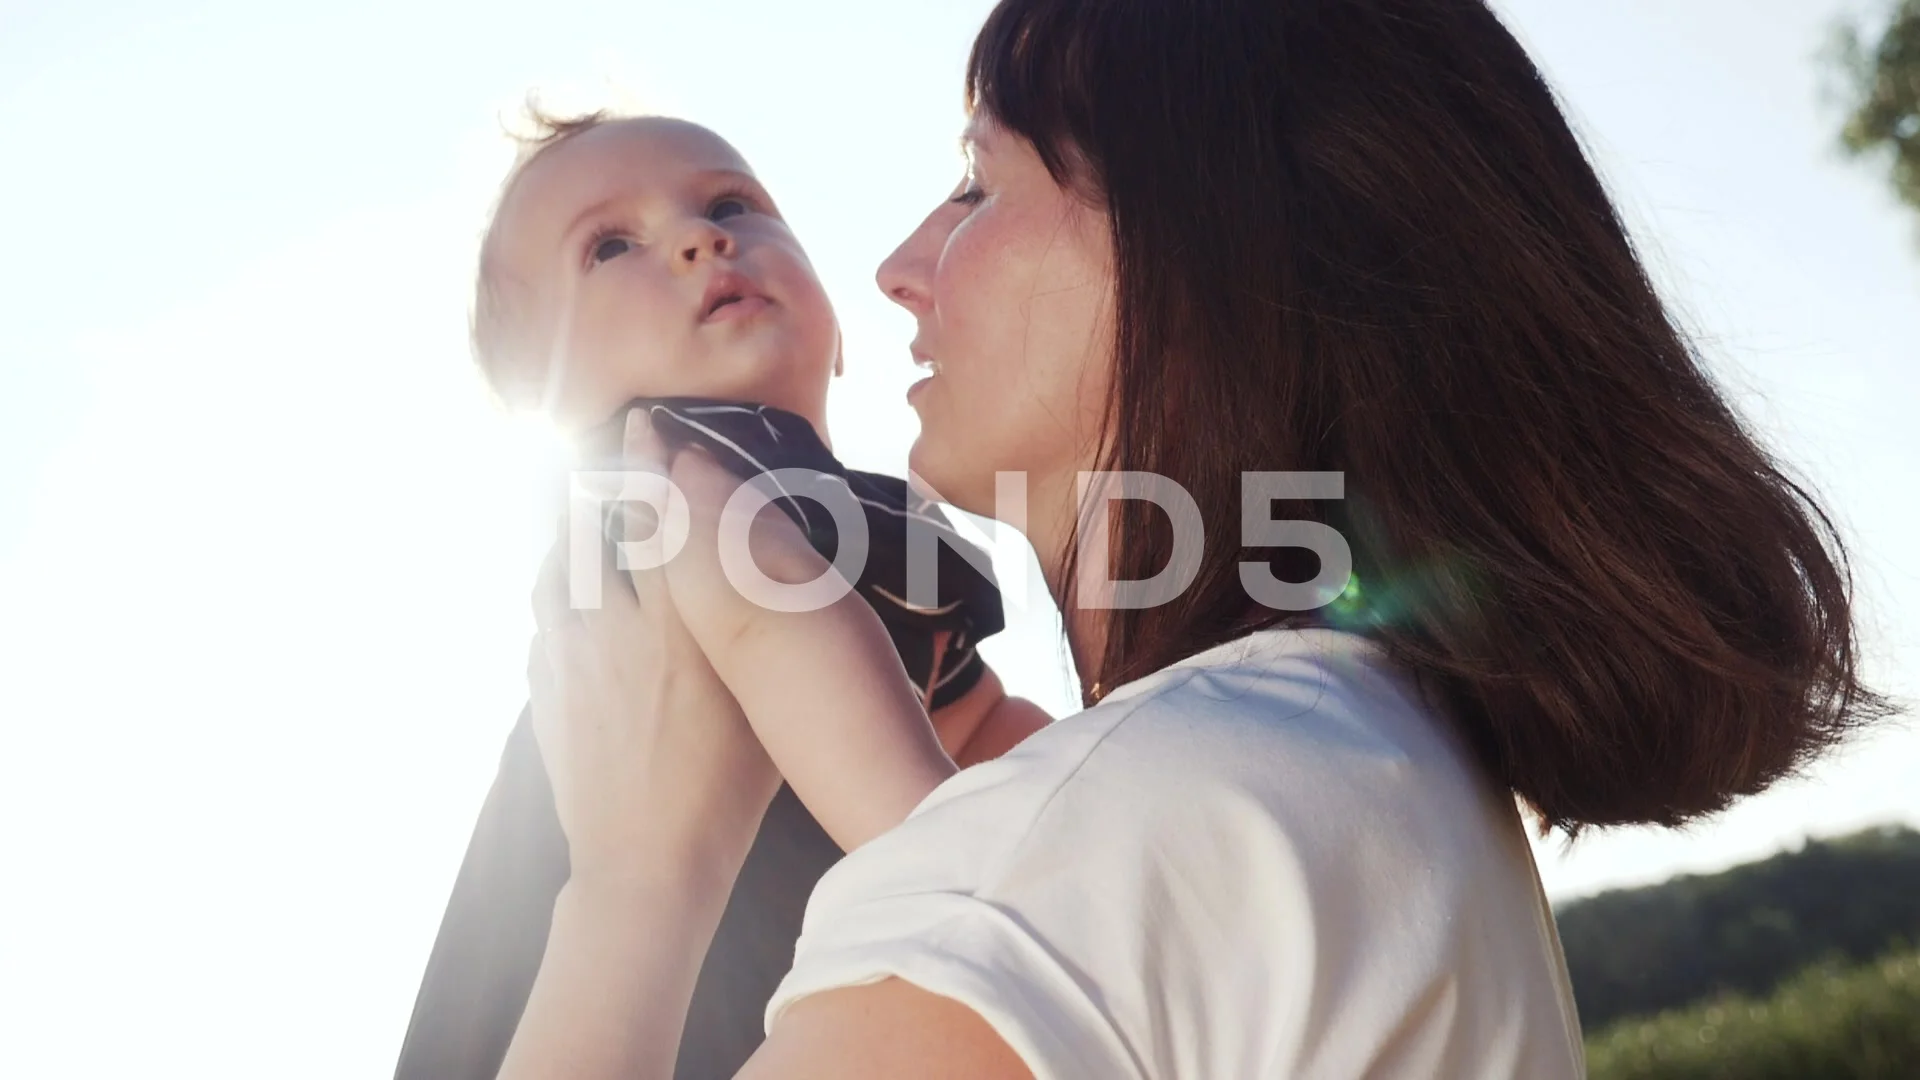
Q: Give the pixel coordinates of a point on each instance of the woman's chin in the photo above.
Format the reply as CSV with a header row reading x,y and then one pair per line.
x,y
925,471
930,472
917,477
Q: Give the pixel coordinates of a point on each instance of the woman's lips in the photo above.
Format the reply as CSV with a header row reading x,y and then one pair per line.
x,y
927,364
917,387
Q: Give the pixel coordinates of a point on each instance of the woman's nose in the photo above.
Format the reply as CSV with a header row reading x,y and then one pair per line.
x,y
700,241
906,276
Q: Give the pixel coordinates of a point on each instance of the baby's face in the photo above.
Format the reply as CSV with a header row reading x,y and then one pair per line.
x,y
645,260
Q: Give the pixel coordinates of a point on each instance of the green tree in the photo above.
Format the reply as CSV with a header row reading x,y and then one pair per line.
x,y
1880,89
1639,951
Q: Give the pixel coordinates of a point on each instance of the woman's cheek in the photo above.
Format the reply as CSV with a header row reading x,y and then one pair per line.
x,y
978,315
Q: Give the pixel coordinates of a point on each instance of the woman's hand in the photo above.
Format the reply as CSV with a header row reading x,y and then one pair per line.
x,y
654,768
660,786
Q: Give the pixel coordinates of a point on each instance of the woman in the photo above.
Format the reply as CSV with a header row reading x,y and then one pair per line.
x,y
1205,239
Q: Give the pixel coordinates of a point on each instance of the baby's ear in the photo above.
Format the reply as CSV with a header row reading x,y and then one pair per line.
x,y
840,357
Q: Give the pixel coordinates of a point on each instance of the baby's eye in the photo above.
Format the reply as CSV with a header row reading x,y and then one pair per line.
x,y
730,206
610,247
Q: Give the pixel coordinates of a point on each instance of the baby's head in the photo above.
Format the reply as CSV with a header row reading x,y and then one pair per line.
x,y
640,257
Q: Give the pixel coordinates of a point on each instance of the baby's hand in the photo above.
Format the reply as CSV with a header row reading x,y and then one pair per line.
x,y
823,689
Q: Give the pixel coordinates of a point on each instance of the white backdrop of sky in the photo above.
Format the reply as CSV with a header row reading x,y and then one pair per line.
x,y
265,545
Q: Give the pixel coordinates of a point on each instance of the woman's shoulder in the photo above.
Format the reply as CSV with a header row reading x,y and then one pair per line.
x,y
1278,715
1273,837
1290,740
1269,697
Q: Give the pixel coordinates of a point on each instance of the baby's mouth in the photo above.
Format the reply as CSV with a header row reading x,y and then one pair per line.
x,y
729,295
730,306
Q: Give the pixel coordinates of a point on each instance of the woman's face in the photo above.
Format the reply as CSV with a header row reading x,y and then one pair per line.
x,y
1011,282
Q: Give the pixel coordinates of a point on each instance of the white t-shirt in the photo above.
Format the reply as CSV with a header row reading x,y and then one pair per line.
x,y
1266,860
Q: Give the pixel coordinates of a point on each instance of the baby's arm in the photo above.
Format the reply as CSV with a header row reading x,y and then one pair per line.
x,y
824,690
986,721
827,696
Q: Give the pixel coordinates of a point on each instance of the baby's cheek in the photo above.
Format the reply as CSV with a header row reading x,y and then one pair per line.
x,y
641,355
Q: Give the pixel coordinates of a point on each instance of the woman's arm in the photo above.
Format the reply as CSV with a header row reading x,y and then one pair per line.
x,y
886,1029
619,970
613,991
660,787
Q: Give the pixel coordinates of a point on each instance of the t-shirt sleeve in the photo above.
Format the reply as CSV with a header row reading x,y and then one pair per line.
x,y
980,954
1042,891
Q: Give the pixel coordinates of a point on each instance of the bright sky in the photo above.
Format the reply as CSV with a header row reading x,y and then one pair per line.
x,y
265,550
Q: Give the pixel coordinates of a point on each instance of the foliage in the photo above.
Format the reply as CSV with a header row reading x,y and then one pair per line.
x,y
1880,80
1640,951
1829,1022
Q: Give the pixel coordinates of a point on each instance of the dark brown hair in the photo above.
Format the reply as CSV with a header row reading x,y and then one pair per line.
x,y
1358,236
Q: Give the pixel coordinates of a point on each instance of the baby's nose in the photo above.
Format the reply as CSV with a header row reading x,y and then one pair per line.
x,y
704,240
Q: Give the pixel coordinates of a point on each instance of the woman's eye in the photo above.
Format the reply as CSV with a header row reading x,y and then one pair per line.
x,y
970,190
611,247
728,207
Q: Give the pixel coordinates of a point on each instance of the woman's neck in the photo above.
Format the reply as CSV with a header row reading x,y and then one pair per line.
x,y
1083,612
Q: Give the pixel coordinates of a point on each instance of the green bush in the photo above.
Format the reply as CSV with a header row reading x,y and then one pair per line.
x,y
1830,1022
1638,952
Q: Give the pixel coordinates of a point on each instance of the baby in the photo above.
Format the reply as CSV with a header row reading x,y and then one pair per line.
x,y
640,258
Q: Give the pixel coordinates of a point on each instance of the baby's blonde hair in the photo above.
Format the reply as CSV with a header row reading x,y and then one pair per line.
x,y
501,339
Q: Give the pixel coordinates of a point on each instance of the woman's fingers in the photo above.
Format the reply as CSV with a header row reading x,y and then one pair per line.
x,y
552,606
617,590
642,519
539,667
639,735
641,446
